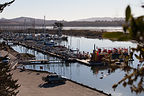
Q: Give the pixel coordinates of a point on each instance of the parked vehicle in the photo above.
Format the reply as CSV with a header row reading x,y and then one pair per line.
x,y
54,79
6,60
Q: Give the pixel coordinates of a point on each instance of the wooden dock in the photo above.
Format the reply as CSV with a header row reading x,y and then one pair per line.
x,y
82,61
85,62
43,61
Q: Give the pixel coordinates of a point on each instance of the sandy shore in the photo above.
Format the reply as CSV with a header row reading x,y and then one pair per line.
x,y
32,85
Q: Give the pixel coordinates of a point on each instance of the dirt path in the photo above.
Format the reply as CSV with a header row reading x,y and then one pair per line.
x,y
30,82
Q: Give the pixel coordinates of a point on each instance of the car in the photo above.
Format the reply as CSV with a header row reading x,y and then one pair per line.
x,y
54,78
6,60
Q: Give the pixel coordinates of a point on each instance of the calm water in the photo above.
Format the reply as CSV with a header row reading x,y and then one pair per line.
x,y
83,74
108,29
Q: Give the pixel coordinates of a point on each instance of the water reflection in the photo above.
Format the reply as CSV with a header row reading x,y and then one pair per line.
x,y
86,44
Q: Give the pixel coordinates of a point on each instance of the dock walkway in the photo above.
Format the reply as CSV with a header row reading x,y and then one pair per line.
x,y
82,61
42,61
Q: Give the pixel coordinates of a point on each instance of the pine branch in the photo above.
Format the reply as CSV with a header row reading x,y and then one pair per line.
x,y
2,6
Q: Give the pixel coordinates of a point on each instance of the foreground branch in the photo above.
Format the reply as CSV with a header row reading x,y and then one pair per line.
x,y
2,6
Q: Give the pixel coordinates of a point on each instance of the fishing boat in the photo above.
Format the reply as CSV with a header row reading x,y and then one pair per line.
x,y
102,57
96,58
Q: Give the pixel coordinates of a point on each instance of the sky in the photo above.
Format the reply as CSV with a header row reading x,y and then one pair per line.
x,y
70,9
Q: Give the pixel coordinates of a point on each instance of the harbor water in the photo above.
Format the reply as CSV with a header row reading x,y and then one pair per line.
x,y
95,77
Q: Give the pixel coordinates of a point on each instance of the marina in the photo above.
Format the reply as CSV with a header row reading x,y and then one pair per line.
x,y
80,73
100,56
71,48
75,61
91,76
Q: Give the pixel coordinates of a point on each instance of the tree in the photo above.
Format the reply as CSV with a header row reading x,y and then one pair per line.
x,y
8,86
58,26
2,6
135,26
135,78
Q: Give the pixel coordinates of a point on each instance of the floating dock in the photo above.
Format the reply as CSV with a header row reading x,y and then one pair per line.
x,y
82,61
66,54
43,61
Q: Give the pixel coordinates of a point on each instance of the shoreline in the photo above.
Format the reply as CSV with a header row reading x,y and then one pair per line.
x,y
31,80
113,36
32,85
94,89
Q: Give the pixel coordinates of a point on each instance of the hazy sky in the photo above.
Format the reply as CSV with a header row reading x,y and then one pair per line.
x,y
71,9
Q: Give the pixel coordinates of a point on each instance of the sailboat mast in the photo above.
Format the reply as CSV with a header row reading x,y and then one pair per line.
x,y
44,25
44,30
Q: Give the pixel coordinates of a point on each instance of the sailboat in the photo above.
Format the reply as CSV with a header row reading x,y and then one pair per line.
x,y
47,42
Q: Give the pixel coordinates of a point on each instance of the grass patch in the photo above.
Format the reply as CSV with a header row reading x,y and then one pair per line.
x,y
119,36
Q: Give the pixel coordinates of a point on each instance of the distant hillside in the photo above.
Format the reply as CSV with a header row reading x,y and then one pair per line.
x,y
90,22
26,21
